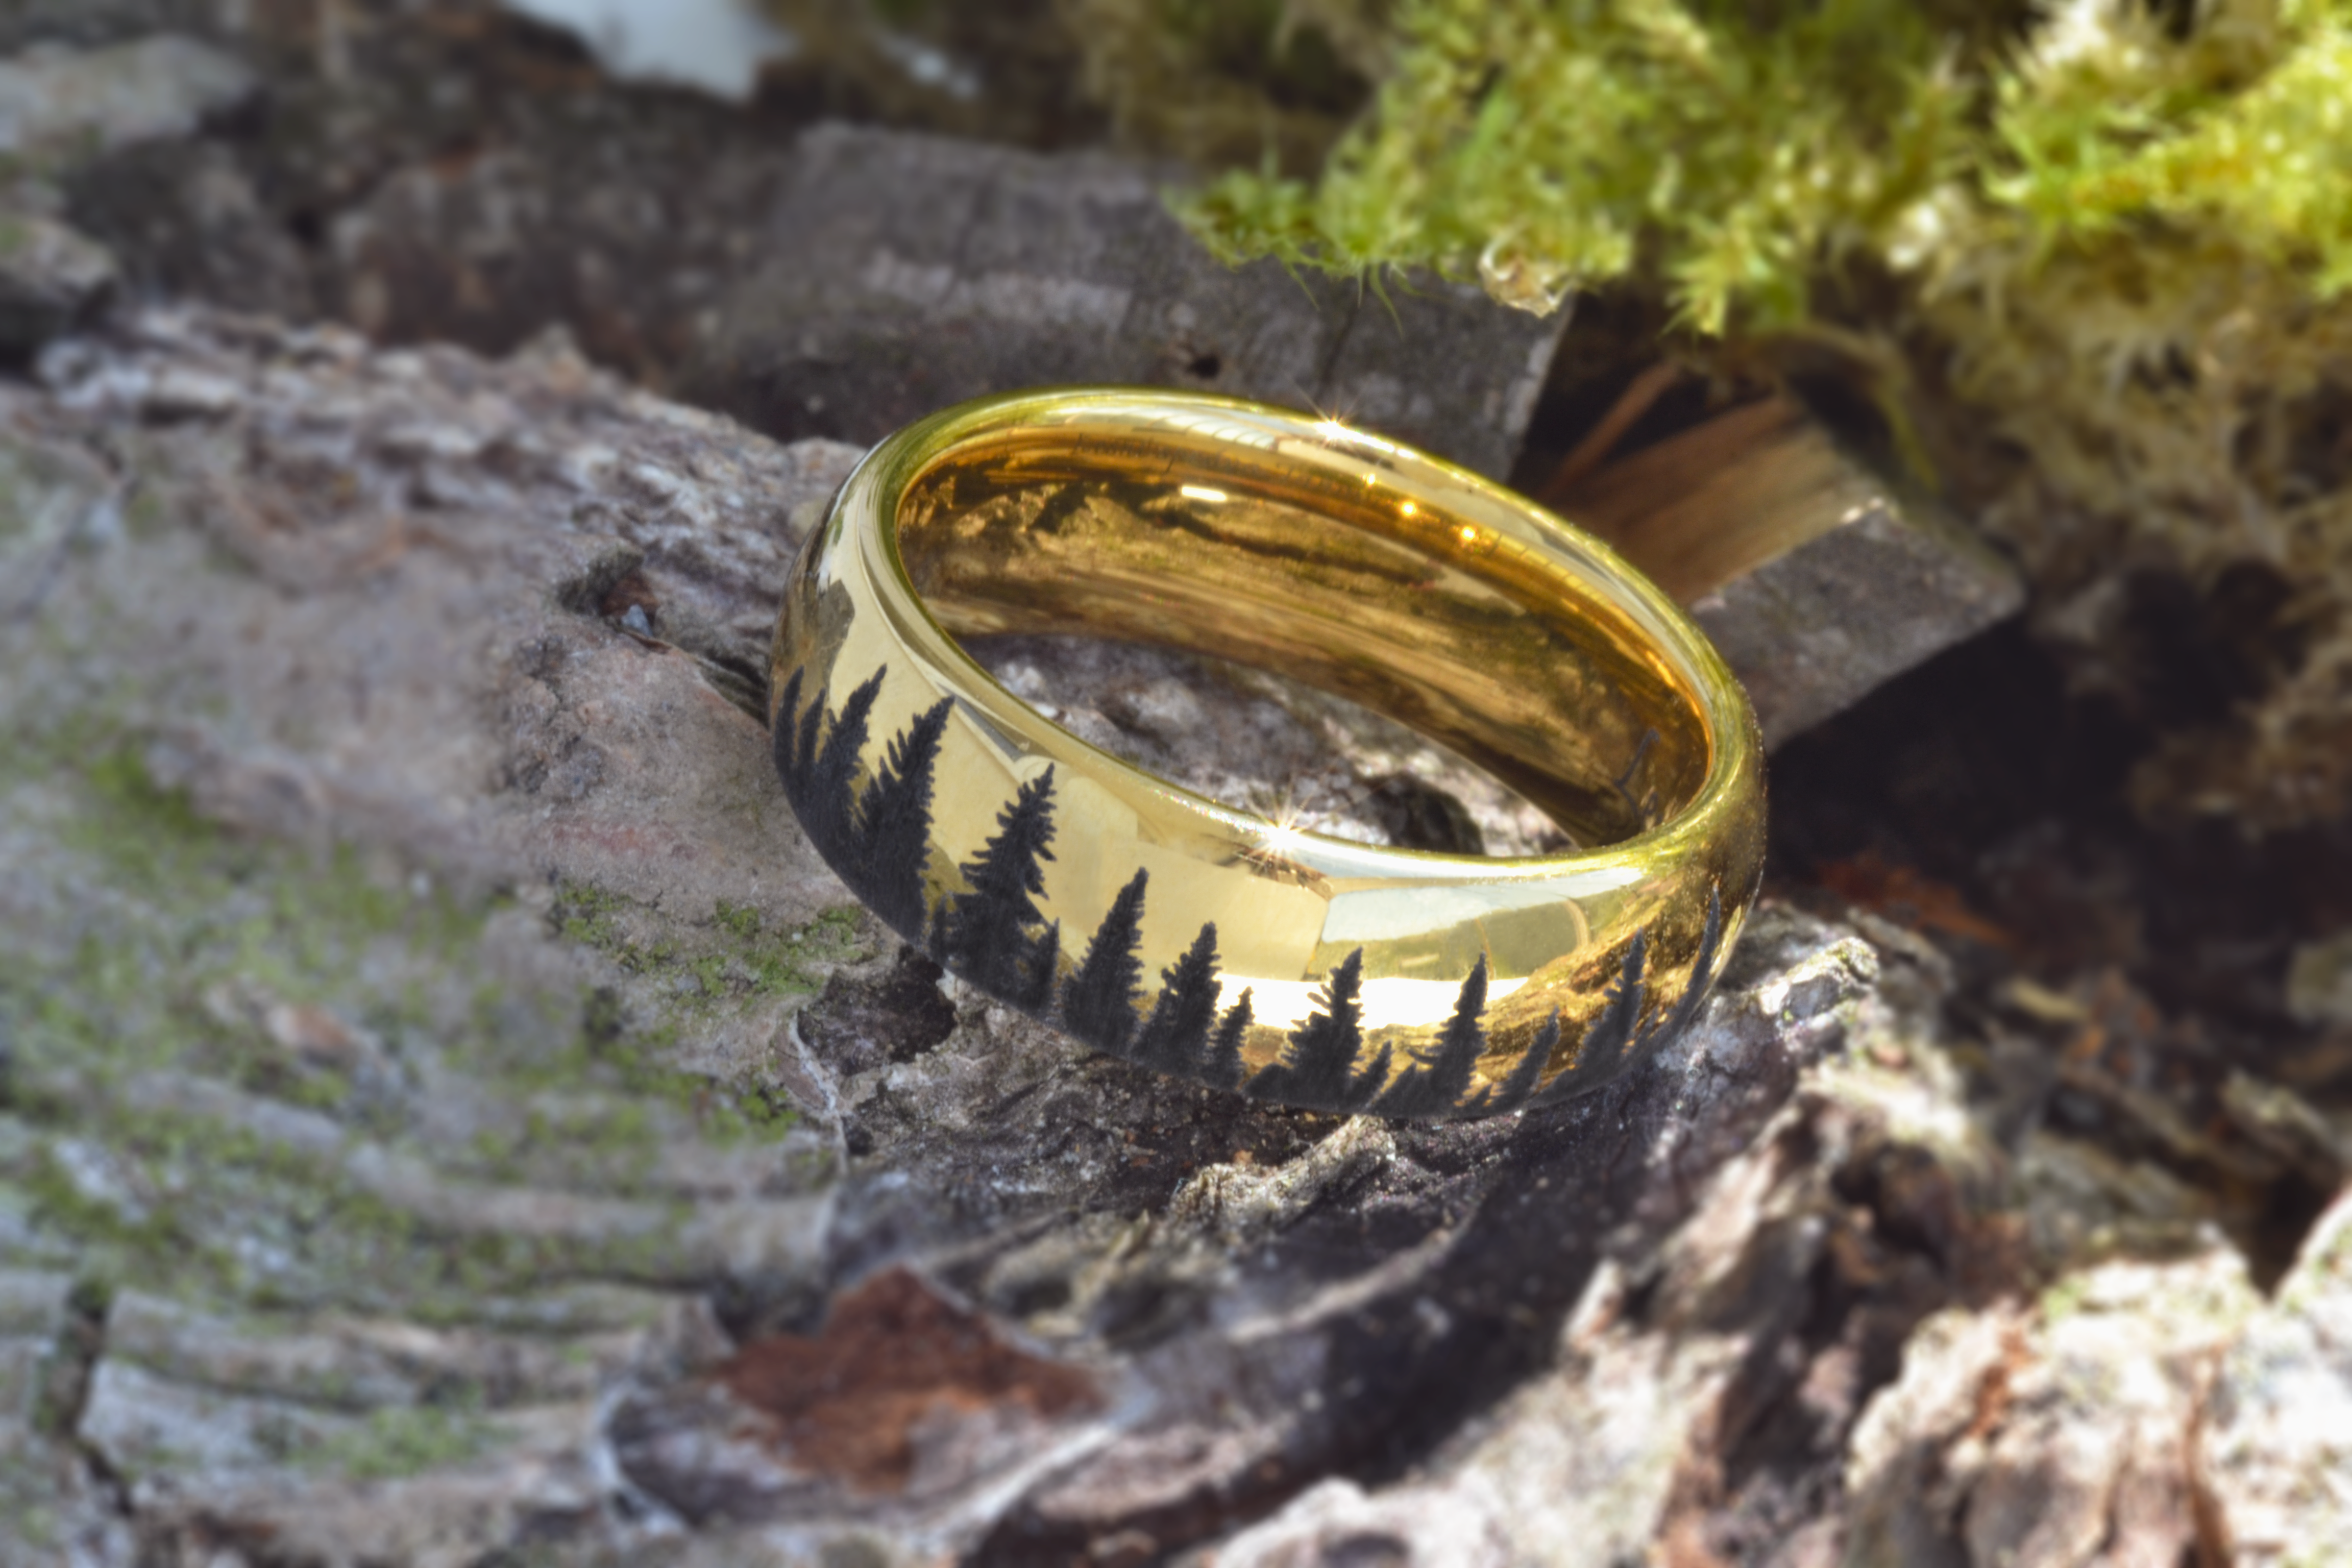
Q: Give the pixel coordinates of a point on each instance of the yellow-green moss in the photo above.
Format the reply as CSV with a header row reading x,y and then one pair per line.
x,y
739,960
406,1440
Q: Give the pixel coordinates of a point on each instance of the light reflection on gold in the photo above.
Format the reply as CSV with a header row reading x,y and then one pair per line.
x,y
1262,536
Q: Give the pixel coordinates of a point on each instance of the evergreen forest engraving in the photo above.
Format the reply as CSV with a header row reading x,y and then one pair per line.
x,y
994,935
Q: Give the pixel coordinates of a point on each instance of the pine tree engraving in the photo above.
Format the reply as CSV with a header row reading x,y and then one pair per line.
x,y
784,739
1701,976
796,737
1440,1074
1317,1067
1366,1086
1613,1038
1098,1000
1224,1066
984,935
1516,1090
1175,1037
1611,1032
894,825
827,808
1037,973
996,936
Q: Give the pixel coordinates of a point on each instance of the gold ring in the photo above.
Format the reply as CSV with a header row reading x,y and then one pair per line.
x,y
1160,926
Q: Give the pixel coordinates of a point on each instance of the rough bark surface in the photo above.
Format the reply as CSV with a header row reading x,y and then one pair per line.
x,y
899,273
448,1108
448,1115
1815,579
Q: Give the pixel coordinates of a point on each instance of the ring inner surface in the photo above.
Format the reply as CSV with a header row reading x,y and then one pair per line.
x,y
1463,618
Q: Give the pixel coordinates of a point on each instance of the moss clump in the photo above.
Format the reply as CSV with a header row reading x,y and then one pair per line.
x,y
2092,259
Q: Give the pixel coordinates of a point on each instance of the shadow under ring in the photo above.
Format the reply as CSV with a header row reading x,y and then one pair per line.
x,y
1199,939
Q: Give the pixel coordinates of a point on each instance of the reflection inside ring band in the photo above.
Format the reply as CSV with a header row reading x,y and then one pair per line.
x,y
1485,643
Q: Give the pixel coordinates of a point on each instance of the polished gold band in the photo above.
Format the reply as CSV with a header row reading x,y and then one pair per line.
x,y
1156,924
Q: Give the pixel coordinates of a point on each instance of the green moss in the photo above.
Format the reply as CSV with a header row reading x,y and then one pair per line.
x,y
2065,1298
741,961
148,834
1737,150
117,1238
192,1202
406,1440
587,915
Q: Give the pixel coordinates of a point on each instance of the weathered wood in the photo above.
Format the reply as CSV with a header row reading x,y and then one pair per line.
x,y
461,642
900,273
1816,578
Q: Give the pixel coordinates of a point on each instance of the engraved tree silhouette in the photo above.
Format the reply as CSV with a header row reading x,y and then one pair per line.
x,y
1441,1075
793,738
879,843
1365,1085
1701,979
1224,1067
894,823
984,935
1175,1037
1098,1001
1519,1088
1037,971
825,808
1612,1036
1607,1038
1317,1067
783,741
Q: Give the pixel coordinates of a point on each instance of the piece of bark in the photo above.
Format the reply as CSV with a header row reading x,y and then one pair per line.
x,y
420,1006
2271,1449
2053,1431
67,104
52,279
900,273
1816,579
374,612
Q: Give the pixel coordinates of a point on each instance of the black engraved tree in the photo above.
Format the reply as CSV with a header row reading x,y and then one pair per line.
x,y
1702,963
1519,1087
894,825
1175,1037
1225,1065
1318,1067
983,934
1366,1086
1615,1034
825,804
783,738
1440,1074
1098,1000
1611,1032
793,738
996,936
1037,972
